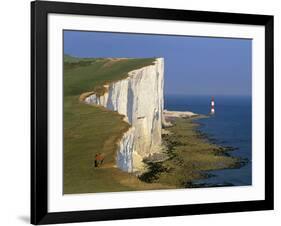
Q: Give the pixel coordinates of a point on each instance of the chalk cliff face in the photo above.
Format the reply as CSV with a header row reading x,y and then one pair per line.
x,y
140,98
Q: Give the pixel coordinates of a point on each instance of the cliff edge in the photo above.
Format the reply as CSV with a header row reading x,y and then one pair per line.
x,y
139,97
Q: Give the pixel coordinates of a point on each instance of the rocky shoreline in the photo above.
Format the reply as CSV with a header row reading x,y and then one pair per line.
x,y
191,155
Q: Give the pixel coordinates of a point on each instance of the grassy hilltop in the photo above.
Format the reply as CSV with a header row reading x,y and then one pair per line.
x,y
91,129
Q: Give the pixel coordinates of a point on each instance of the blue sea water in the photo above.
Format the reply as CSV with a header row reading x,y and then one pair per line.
x,y
230,126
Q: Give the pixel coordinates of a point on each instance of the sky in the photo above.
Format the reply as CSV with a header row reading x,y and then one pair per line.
x,y
193,65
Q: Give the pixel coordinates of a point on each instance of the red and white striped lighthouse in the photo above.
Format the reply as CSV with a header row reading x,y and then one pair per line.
x,y
212,106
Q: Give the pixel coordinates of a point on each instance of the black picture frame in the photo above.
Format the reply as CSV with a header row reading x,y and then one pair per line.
x,y
39,112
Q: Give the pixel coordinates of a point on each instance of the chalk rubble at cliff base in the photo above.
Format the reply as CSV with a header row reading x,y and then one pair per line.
x,y
178,114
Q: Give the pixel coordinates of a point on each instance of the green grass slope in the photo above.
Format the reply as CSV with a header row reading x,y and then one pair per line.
x,y
69,59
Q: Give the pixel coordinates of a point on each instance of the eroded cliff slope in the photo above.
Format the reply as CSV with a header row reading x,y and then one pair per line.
x,y
139,97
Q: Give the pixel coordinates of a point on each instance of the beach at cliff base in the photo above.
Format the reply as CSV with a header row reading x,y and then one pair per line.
x,y
191,156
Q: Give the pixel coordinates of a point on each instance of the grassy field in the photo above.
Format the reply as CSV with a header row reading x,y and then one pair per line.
x,y
89,129
190,155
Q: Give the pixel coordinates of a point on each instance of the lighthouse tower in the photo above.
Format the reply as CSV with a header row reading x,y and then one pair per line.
x,y
212,106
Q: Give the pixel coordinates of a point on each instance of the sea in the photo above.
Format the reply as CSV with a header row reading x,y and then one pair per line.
x,y
230,126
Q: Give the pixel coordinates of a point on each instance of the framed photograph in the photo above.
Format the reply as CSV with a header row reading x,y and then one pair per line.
x,y
145,112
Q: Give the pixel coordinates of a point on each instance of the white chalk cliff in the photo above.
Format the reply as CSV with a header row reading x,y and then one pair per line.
x,y
140,98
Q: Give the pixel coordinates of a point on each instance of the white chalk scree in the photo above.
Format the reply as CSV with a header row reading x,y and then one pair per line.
x,y
58,202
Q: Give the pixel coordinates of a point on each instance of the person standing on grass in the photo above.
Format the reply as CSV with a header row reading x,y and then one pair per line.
x,y
101,158
96,160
